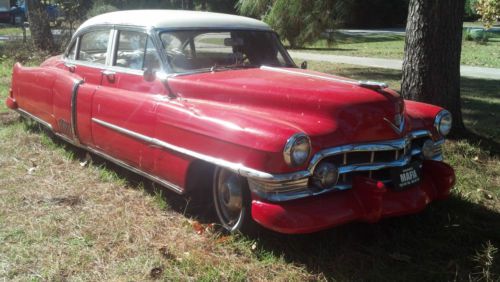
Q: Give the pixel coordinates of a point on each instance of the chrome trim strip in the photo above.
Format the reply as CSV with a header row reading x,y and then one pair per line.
x,y
257,179
389,145
397,129
374,166
151,177
238,168
118,162
287,71
31,116
74,97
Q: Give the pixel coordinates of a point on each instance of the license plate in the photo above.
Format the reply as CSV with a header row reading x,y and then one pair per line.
x,y
405,177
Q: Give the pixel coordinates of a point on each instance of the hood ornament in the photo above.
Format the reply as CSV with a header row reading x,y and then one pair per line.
x,y
375,85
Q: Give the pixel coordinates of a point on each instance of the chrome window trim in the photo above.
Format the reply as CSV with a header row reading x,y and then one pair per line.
x,y
78,36
154,34
112,45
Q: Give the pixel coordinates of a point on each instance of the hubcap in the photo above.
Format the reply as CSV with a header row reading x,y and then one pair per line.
x,y
228,198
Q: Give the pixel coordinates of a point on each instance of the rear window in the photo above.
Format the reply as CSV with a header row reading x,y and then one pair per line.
x,y
94,46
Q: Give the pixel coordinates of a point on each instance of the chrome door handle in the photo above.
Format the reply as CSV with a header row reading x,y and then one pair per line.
x,y
109,74
71,67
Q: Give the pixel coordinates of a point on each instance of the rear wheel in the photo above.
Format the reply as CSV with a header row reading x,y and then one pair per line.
x,y
232,201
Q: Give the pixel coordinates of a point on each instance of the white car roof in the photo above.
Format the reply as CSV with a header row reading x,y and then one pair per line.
x,y
175,19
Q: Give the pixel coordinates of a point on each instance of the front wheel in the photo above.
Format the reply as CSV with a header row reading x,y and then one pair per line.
x,y
232,201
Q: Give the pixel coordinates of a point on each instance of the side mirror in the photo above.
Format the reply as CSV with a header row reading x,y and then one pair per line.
x,y
303,65
149,74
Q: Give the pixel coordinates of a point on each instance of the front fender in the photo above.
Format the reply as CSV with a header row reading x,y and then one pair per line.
x,y
422,116
234,135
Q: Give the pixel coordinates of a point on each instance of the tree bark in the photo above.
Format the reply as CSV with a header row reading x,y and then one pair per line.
x,y
431,65
40,26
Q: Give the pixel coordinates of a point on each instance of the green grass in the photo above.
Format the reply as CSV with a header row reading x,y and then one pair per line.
x,y
11,30
61,220
392,47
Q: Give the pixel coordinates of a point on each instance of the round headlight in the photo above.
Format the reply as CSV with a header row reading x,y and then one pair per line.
x,y
297,149
428,149
325,175
443,122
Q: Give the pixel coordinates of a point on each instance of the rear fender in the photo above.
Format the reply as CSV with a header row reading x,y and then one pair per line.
x,y
40,91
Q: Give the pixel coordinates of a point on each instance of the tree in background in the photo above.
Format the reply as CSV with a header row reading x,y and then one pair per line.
x,y
223,6
297,21
73,11
489,11
40,26
431,65
470,10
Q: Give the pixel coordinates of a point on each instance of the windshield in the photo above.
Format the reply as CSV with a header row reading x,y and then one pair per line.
x,y
210,50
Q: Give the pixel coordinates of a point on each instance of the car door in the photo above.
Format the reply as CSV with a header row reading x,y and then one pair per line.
x,y
125,104
86,59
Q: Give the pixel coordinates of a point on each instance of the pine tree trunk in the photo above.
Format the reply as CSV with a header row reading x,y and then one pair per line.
x,y
40,26
431,66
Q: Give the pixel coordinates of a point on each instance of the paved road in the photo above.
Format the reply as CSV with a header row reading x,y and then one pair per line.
x,y
467,71
396,31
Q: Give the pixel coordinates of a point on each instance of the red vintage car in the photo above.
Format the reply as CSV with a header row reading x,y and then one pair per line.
x,y
196,100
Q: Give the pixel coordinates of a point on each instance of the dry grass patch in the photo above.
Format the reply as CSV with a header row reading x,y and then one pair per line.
x,y
60,220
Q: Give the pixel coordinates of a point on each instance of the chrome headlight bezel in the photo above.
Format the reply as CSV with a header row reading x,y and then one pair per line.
x,y
443,116
291,147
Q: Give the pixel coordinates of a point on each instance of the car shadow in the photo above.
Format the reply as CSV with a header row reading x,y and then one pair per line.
x,y
439,244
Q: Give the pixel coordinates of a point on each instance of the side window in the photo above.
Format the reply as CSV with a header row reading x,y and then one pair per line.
x,y
94,46
136,51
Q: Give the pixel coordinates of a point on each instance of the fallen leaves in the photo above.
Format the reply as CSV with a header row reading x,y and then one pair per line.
x,y
202,228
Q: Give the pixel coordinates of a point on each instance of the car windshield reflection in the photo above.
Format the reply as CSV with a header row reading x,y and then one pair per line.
x,y
193,51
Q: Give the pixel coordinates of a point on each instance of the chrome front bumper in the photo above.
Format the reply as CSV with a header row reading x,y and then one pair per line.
x,y
285,187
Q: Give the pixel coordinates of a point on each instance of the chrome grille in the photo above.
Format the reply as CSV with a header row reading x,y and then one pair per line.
x,y
373,160
375,164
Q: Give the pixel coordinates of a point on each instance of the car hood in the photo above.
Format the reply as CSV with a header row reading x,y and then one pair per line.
x,y
271,101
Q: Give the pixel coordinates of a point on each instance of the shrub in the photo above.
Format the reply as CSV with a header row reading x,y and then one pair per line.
x,y
476,34
22,52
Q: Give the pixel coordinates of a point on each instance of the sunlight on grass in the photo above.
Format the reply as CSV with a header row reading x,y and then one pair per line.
x,y
392,47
